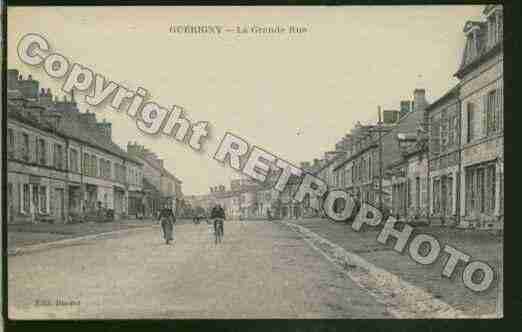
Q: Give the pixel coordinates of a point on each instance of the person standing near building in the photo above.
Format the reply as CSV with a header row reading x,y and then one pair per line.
x,y
167,221
218,215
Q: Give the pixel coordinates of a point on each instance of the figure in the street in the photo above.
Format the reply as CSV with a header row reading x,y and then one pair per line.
x,y
167,221
218,215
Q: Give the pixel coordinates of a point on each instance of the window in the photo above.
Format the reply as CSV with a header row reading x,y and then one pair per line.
x,y
470,192
490,189
449,195
417,192
85,164
492,111
36,198
41,151
103,168
74,160
25,197
480,189
25,147
436,195
369,167
43,199
409,185
451,130
94,166
470,111
444,131
493,30
435,136
58,156
11,142
456,129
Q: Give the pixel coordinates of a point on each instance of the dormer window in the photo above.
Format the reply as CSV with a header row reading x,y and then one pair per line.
x,y
494,20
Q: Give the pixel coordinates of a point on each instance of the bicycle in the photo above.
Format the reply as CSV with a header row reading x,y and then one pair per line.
x,y
218,230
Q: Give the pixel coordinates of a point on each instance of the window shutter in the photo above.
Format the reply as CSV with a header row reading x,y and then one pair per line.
x,y
501,108
36,150
21,194
484,114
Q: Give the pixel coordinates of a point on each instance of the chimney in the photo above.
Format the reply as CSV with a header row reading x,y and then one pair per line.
x,y
419,100
390,116
53,118
88,119
106,128
406,107
316,162
160,161
35,112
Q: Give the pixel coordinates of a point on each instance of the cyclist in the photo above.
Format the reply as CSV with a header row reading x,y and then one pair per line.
x,y
218,215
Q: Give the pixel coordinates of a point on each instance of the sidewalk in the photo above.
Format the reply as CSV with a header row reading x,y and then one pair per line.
x,y
20,235
479,245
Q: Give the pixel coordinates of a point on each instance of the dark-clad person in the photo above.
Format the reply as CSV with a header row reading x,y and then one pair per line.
x,y
218,215
167,220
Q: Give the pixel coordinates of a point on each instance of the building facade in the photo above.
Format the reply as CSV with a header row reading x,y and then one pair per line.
x,y
445,157
482,121
62,164
409,178
162,187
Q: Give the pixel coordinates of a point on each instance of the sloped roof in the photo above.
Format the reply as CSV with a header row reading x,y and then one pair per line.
x,y
337,158
70,126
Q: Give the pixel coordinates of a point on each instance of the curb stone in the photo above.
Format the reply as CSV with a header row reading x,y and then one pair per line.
x,y
64,242
403,300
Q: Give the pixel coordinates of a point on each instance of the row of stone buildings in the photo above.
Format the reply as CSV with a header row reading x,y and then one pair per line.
x,y
64,166
440,161
239,202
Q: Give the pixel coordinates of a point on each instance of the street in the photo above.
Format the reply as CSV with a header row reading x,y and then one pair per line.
x,y
261,270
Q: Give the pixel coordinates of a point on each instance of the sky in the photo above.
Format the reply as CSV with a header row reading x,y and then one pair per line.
x,y
294,95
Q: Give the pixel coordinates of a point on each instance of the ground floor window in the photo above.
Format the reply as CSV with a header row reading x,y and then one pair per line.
x,y
35,197
43,198
25,197
436,195
10,200
443,195
480,189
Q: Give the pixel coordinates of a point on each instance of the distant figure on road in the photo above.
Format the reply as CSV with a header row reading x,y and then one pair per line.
x,y
167,220
218,215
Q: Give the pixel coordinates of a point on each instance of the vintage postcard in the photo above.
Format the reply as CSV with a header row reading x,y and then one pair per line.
x,y
254,162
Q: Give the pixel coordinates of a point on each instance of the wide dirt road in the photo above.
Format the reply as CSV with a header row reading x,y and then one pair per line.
x,y
261,270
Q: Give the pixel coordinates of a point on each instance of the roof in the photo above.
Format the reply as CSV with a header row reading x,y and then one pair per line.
x,y
336,158
355,155
89,134
480,52
69,127
166,173
453,92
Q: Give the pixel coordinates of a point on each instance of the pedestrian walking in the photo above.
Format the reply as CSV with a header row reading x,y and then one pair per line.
x,y
218,215
167,221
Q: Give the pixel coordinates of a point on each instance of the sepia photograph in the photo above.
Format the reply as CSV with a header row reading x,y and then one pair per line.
x,y
266,162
